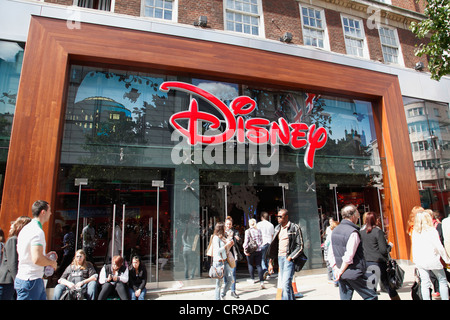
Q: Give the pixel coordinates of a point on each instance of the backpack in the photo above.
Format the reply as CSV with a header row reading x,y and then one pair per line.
x,y
252,246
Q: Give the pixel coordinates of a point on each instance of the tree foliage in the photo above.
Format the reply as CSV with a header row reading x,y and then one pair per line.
x,y
437,27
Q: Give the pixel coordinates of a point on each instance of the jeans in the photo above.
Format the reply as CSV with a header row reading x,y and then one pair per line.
x,y
264,260
233,284
360,285
285,276
91,290
141,296
426,283
255,258
189,258
229,279
7,291
30,289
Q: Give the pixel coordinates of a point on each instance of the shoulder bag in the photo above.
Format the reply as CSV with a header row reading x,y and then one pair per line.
x,y
416,290
252,246
395,274
231,260
300,261
209,250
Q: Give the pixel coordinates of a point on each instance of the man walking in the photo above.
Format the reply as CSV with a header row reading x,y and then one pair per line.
x,y
287,244
267,230
347,259
31,244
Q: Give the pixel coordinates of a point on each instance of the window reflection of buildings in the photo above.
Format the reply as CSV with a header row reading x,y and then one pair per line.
x,y
91,112
428,125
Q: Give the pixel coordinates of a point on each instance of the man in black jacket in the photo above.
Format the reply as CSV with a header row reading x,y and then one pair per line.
x,y
287,244
347,257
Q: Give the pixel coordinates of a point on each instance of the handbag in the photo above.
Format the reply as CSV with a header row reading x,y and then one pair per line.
x,y
252,246
300,261
216,272
209,250
230,259
395,274
416,290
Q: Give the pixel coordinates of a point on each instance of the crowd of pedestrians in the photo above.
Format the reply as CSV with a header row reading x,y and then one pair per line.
x,y
350,251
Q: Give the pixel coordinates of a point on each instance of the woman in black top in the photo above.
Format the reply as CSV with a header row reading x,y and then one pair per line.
x,y
137,279
10,260
376,251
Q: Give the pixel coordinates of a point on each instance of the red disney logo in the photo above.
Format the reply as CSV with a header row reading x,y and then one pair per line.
x,y
255,130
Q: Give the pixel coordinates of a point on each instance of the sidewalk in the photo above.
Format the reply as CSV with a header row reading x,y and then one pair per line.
x,y
313,284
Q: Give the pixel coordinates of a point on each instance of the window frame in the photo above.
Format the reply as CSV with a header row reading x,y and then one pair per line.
x,y
326,42
400,60
365,47
111,9
259,16
174,11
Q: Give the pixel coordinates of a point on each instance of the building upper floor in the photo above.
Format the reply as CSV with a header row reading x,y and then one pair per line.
x,y
276,19
363,29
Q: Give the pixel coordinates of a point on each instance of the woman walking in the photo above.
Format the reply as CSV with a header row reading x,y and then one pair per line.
x,y
220,247
427,250
10,260
254,257
376,251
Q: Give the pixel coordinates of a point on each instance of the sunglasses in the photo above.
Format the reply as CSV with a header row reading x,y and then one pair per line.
x,y
281,217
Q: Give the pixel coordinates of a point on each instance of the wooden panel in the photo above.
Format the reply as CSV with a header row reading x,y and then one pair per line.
x,y
32,166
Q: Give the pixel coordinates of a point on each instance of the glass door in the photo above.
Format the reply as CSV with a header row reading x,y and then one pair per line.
x,y
127,196
332,197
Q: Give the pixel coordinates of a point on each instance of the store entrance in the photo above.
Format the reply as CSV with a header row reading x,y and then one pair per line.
x,y
242,197
127,196
336,191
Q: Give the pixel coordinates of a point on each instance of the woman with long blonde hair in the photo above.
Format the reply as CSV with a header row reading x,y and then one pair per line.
x,y
254,258
79,275
427,250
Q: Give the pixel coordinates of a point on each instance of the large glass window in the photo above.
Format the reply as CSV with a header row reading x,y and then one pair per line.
x,y
429,133
11,56
119,138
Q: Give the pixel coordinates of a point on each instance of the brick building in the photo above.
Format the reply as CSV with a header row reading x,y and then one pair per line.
x,y
96,90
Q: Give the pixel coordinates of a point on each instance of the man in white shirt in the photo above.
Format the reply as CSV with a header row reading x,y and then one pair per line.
x,y
267,230
31,244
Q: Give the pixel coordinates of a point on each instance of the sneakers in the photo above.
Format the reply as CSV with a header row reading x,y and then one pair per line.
x,y
266,274
262,286
234,295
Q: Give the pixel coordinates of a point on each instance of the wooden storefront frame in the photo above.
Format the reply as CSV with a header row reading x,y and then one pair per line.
x,y
34,153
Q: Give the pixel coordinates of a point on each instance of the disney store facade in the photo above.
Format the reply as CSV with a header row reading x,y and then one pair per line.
x,y
172,134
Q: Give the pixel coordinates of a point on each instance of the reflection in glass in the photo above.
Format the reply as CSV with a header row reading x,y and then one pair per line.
x,y
429,134
117,135
11,56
